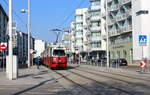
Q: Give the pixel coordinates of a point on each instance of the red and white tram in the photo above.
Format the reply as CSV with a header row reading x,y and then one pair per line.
x,y
54,56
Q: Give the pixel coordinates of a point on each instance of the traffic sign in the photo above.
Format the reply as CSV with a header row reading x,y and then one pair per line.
x,y
143,64
3,46
143,40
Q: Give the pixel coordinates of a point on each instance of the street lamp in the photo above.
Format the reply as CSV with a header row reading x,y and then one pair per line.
x,y
107,39
9,68
29,29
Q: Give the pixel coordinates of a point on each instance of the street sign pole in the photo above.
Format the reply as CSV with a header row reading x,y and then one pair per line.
x,y
143,42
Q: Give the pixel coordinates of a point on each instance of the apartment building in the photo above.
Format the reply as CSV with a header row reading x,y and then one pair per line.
x,y
80,31
141,28
67,40
120,29
20,46
3,25
96,29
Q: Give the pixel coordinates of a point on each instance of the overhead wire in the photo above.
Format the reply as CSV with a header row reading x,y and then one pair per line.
x,y
70,15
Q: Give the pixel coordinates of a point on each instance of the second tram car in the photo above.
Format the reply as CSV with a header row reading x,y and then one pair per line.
x,y
54,57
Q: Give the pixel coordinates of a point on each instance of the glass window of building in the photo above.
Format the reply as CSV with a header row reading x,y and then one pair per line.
x,y
95,13
95,3
79,17
79,25
95,24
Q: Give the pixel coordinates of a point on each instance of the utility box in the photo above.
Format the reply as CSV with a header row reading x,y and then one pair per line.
x,y
12,67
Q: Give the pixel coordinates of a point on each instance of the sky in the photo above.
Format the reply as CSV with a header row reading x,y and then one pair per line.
x,y
45,15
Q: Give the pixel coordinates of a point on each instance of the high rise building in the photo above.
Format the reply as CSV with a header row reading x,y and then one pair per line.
x,y
80,32
119,14
96,29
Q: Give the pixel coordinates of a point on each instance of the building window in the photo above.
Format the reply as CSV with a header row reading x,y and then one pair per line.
x,y
95,3
142,12
79,17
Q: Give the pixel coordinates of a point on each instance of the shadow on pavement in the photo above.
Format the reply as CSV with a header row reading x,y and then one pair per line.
x,y
33,87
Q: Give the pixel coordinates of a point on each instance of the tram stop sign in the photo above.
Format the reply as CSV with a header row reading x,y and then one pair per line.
x,y
3,46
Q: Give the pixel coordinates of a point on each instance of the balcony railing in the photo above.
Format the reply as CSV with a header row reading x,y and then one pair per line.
x,y
122,2
109,1
112,21
120,31
124,16
95,18
98,7
95,29
95,39
126,29
114,7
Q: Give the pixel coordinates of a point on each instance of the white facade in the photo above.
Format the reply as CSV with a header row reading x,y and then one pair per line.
x,y
72,30
97,31
80,31
141,26
39,47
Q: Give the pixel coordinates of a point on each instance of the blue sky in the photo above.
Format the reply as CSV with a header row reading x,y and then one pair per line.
x,y
46,15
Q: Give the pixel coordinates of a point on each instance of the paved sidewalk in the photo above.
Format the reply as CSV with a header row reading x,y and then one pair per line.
x,y
124,70
27,76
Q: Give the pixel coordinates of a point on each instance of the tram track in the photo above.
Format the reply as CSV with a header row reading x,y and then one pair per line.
x,y
94,81
117,74
74,82
115,78
102,83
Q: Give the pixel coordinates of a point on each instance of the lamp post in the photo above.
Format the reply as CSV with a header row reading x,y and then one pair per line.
x,y
29,29
107,39
9,68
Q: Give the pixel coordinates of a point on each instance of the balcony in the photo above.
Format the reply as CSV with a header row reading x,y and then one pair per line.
x,y
126,29
95,7
96,48
114,7
114,33
112,21
96,39
120,31
79,28
95,18
95,29
122,2
124,16
79,36
108,1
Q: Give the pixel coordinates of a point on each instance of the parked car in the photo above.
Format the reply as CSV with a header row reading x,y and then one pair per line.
x,y
120,62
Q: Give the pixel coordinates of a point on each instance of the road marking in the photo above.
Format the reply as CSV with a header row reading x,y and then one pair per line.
x,y
40,93
9,88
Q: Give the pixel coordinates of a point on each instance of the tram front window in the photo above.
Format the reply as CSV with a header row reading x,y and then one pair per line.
x,y
58,53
